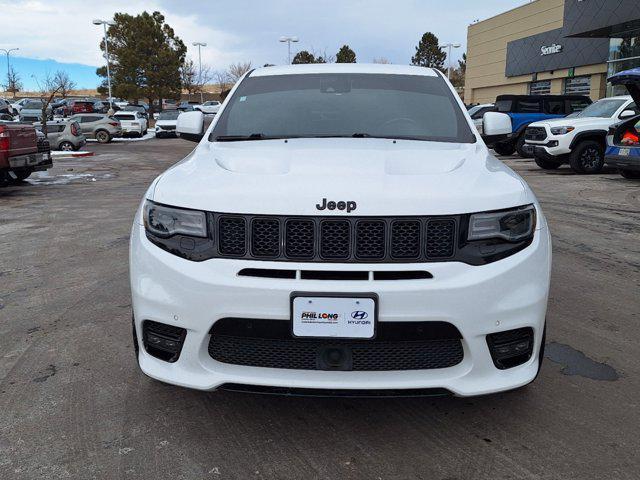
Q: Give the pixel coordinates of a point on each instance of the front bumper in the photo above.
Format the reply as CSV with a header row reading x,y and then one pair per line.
x,y
478,300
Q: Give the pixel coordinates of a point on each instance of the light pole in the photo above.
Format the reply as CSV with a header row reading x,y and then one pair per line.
x,y
288,39
450,46
104,24
200,44
9,67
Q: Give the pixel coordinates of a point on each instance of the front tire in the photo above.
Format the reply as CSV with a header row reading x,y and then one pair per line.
x,y
505,148
587,157
630,174
520,144
547,164
66,147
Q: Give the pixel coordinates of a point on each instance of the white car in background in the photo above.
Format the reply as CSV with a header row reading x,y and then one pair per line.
x,y
166,123
132,122
210,107
580,138
17,106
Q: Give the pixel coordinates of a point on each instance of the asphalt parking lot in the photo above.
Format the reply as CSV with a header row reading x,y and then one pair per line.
x,y
74,404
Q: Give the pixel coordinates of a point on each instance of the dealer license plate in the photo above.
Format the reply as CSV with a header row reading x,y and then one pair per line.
x,y
624,152
333,317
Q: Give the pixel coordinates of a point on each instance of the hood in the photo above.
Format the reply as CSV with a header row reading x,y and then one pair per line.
x,y
572,122
381,176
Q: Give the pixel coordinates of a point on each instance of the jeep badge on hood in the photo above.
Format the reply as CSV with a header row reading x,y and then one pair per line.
x,y
349,206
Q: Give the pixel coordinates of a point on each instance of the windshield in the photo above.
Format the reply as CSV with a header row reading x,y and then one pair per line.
x,y
33,106
170,115
601,108
412,107
475,109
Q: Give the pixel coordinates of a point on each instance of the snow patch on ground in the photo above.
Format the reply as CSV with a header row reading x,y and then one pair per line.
x,y
43,178
79,153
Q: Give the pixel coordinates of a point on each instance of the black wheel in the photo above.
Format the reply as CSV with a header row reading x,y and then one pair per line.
x,y
547,164
102,136
630,174
66,147
22,174
145,132
520,148
505,148
587,157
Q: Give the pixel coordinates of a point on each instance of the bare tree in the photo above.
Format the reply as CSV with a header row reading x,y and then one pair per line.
x,y
64,82
381,60
222,80
47,90
13,83
194,80
189,77
237,70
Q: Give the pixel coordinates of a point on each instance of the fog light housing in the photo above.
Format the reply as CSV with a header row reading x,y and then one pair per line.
x,y
163,341
511,348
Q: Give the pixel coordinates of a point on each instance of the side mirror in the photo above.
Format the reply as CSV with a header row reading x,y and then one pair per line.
x,y
191,126
494,123
628,114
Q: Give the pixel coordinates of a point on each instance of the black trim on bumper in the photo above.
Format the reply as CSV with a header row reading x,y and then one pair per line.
x,y
540,152
321,392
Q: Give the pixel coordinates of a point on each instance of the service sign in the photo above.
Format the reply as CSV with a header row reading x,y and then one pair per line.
x,y
334,317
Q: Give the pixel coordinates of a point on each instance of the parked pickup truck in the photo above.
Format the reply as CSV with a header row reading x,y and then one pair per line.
x,y
22,152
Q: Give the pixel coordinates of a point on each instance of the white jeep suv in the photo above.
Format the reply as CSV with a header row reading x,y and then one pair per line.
x,y
340,229
580,138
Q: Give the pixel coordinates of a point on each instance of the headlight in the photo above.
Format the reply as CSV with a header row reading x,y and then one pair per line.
x,y
510,225
166,221
561,130
182,232
491,236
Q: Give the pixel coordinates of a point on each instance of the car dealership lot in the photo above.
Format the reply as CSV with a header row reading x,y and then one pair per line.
x,y
75,405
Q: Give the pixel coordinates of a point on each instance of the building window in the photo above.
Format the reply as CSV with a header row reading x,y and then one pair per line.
x,y
542,87
624,54
577,86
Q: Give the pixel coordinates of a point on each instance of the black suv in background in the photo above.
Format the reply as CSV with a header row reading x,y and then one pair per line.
x,y
526,109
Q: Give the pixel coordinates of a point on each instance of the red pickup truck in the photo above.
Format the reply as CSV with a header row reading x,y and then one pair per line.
x,y
22,152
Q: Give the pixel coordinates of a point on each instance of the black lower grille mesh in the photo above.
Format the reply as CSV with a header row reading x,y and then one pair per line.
x,y
269,344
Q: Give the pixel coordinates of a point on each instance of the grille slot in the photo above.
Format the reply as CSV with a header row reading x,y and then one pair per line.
x,y
370,239
335,239
265,237
300,238
440,238
405,239
232,233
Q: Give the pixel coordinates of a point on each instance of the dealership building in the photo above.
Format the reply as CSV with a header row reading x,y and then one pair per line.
x,y
552,47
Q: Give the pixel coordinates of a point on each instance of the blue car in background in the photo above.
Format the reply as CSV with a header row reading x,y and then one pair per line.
x,y
526,109
623,139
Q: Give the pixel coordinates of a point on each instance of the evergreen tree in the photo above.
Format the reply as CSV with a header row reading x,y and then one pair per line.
x,y
346,55
304,56
146,58
428,53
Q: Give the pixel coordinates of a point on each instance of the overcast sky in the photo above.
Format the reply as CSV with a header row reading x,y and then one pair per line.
x,y
56,34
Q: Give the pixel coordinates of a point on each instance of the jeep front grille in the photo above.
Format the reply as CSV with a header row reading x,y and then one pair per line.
x,y
335,239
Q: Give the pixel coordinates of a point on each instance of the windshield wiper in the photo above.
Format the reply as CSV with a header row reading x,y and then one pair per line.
x,y
241,138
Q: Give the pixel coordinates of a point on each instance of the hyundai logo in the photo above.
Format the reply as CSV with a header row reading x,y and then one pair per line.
x,y
359,315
